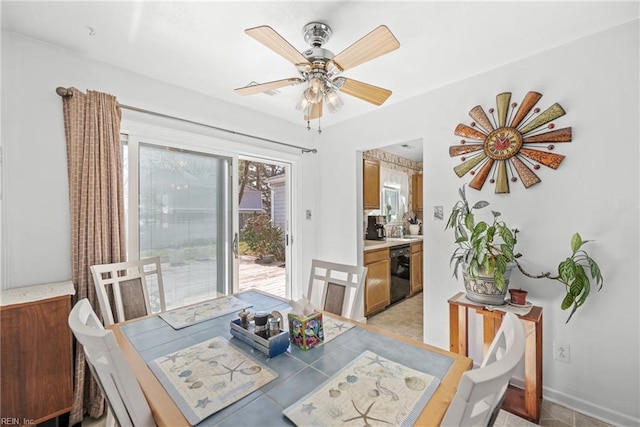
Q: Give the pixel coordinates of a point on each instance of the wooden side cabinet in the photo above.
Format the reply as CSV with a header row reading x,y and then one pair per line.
x,y
371,183
416,192
377,290
417,267
36,356
527,402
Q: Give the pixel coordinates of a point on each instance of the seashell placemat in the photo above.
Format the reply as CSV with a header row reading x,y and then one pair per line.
x,y
371,390
209,376
190,315
334,327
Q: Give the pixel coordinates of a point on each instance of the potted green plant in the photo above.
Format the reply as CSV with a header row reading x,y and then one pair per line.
x,y
486,251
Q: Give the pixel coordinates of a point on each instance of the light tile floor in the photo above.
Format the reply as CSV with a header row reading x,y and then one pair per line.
x,y
405,318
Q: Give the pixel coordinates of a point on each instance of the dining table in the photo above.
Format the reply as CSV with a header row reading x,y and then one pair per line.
x,y
148,341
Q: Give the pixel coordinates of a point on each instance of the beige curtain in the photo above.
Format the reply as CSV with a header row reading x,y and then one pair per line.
x,y
94,160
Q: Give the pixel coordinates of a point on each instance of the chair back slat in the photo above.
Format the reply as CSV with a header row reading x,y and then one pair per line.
x,y
123,289
481,391
337,288
126,402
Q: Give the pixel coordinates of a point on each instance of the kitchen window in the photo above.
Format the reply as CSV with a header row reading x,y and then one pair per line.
x,y
395,192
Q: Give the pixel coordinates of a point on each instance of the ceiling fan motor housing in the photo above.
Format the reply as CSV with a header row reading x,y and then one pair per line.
x,y
316,33
318,54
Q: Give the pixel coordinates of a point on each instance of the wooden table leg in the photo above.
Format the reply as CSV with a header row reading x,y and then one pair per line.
x,y
533,369
490,324
458,336
526,402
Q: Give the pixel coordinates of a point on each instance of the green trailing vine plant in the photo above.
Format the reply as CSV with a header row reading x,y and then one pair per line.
x,y
479,251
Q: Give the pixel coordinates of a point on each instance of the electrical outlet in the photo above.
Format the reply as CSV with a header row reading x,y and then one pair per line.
x,y
561,352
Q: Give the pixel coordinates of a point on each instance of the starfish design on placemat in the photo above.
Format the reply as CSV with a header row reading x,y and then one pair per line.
x,y
377,361
339,326
203,402
193,317
230,371
365,416
173,357
308,407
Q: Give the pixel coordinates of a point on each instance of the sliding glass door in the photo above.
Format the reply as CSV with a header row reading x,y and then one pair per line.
x,y
179,208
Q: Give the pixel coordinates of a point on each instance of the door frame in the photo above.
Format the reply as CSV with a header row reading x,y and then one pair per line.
x,y
288,235
196,137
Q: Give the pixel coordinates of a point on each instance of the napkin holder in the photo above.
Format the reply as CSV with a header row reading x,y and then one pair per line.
x,y
306,331
271,346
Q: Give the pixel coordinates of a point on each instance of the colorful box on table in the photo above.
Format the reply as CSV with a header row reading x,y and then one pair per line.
x,y
306,332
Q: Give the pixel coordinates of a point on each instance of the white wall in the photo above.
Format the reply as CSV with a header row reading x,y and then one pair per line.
x,y
35,205
595,192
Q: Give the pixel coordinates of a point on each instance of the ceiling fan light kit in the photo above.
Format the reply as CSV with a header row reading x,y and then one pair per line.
x,y
319,68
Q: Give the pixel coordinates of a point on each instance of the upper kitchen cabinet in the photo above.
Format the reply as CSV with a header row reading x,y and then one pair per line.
x,y
416,192
371,184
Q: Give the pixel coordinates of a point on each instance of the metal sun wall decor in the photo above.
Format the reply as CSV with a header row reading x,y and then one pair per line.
x,y
502,147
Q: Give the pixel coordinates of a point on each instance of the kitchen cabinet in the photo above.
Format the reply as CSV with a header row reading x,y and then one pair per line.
x,y
377,289
36,362
371,183
417,267
416,192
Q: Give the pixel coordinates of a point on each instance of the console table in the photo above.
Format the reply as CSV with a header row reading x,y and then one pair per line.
x,y
36,359
524,403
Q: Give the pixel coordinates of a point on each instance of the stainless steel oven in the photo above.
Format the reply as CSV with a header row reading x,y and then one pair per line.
x,y
400,272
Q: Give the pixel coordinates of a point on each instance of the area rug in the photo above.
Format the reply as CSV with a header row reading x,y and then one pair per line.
x,y
187,316
209,376
371,391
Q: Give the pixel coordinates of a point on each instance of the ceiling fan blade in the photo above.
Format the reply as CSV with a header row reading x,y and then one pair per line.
x,y
376,43
264,87
274,41
373,94
316,111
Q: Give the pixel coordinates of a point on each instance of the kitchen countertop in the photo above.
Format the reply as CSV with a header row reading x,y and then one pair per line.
x,y
370,245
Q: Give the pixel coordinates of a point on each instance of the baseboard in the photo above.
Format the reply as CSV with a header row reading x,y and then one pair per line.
x,y
582,406
590,409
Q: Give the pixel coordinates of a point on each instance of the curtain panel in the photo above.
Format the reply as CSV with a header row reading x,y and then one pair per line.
x,y
94,161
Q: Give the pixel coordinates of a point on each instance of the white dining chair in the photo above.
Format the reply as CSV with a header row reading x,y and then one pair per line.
x,y
481,391
127,284
337,288
127,405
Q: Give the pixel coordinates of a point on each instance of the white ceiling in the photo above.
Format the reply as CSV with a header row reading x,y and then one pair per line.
x,y
202,45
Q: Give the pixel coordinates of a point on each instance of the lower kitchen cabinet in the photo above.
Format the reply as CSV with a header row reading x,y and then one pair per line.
x,y
417,267
377,285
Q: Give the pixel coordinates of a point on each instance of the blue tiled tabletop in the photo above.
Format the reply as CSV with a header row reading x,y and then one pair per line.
x,y
299,371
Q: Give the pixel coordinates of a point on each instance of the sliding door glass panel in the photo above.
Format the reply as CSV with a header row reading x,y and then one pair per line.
x,y
183,218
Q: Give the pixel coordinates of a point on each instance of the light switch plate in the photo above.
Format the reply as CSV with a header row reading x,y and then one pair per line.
x,y
438,213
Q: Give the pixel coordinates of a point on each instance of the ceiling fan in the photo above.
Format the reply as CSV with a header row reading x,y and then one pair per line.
x,y
320,69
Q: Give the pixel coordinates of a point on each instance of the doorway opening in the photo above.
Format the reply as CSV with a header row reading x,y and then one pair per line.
x,y
263,211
